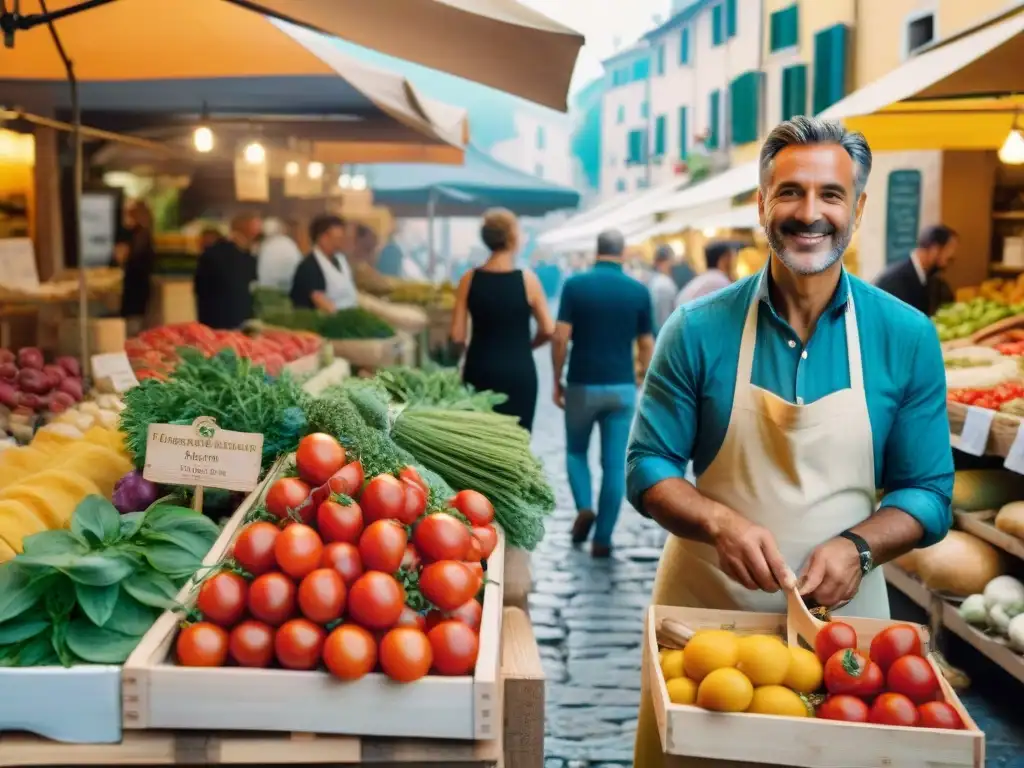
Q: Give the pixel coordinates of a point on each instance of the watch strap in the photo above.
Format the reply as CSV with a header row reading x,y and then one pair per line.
x,y
863,549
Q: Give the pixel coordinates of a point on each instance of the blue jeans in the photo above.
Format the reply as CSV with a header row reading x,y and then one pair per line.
x,y
611,407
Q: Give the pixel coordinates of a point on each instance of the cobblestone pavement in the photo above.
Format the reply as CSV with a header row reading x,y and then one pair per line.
x,y
587,615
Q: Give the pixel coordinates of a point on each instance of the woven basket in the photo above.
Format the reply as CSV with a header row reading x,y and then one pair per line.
x,y
1000,438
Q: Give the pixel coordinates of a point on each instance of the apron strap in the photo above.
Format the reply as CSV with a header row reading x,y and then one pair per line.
x,y
853,347
745,363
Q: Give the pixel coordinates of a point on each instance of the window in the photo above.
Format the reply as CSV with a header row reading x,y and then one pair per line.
x,y
540,137
538,170
794,91
684,46
784,31
642,183
919,32
645,110
620,185
830,50
641,69
731,20
661,60
620,115
636,141
714,119
718,25
683,134
744,100
659,136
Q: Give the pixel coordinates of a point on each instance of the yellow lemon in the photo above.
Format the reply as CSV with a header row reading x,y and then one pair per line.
x,y
805,671
778,700
764,659
708,651
682,690
672,665
725,690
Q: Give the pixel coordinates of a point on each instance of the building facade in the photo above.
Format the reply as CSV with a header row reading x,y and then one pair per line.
x,y
625,121
586,139
540,146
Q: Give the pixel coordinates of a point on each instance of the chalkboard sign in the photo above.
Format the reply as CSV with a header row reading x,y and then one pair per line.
x,y
902,214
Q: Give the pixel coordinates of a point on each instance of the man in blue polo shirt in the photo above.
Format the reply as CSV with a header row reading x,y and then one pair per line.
x,y
797,392
603,312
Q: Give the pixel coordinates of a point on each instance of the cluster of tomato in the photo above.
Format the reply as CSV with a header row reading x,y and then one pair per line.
x,y
892,685
154,353
328,577
991,398
1011,348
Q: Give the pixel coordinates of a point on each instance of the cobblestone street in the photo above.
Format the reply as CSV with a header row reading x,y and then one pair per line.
x,y
587,615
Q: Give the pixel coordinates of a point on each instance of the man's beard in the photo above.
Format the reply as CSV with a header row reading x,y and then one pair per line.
x,y
819,262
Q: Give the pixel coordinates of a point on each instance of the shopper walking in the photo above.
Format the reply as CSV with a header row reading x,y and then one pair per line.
x,y
603,312
225,275
499,301
662,287
720,258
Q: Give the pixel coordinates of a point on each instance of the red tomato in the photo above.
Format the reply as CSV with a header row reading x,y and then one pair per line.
x,y
345,559
382,546
251,644
441,537
272,598
447,584
474,554
477,570
376,600
849,709
286,496
318,457
254,548
348,480
415,503
454,646
202,645
383,498
892,643
834,636
475,506
322,596
488,539
350,652
299,644
298,550
939,714
222,598
914,677
411,618
339,522
469,613
412,475
405,654
893,709
849,671
411,560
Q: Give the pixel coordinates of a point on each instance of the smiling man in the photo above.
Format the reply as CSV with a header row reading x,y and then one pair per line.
x,y
796,392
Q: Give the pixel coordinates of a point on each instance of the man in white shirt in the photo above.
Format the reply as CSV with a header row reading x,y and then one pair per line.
x,y
662,286
278,256
720,257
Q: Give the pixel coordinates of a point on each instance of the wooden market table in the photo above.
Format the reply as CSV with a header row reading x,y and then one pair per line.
x,y
521,744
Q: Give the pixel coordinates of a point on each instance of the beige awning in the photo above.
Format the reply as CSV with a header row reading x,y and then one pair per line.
x,y
742,217
713,191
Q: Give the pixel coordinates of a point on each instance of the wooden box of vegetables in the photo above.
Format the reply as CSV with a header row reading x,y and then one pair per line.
x,y
737,692
341,605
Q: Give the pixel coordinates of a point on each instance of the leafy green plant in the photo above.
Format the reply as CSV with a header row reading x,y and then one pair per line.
x,y
88,594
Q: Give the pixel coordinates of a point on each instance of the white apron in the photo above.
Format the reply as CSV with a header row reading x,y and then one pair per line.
x,y
804,472
340,288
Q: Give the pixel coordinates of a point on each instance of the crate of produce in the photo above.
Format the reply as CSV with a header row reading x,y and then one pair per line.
x,y
369,353
707,707
314,674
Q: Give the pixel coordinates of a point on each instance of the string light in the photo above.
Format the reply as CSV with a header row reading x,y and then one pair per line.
x,y
291,168
315,170
1012,151
203,139
254,153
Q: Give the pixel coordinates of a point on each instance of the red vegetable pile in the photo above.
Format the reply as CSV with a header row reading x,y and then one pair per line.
x,y
350,574
28,383
893,684
154,353
991,398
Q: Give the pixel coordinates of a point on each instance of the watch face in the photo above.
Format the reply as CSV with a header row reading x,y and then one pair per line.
x,y
866,561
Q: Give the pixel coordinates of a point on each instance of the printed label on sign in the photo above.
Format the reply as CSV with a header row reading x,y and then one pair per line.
x,y
201,453
114,367
1015,456
974,435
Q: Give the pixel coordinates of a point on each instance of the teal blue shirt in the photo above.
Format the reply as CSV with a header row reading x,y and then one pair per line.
x,y
688,394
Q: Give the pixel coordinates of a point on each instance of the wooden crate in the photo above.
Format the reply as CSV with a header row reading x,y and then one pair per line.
x,y
794,741
1000,438
158,694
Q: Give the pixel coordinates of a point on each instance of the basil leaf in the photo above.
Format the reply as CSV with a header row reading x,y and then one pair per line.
x,y
101,570
131,523
99,645
164,516
61,599
97,603
192,543
38,652
130,617
171,560
19,589
97,520
58,640
59,542
151,588
24,627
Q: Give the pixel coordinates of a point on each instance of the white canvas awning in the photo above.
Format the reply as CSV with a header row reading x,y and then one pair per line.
x,y
741,217
724,186
588,243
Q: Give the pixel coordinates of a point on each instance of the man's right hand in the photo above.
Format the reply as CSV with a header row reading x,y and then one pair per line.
x,y
748,554
558,397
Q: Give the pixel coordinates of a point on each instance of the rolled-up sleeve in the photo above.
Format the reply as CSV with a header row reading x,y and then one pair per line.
x,y
665,427
918,477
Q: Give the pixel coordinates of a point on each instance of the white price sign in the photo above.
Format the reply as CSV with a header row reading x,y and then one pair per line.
x,y
974,435
203,454
1015,456
115,367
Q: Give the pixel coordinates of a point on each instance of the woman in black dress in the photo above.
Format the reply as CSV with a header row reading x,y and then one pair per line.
x,y
499,300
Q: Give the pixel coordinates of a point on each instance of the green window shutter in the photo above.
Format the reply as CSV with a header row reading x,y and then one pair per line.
x,y
684,46
717,26
659,136
731,20
636,152
794,91
714,119
744,99
661,59
684,131
830,53
784,29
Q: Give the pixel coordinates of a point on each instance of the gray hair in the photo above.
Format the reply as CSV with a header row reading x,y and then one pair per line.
x,y
806,131
610,243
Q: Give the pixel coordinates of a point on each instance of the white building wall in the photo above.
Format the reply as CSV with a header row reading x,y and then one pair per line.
x,y
627,101
541,146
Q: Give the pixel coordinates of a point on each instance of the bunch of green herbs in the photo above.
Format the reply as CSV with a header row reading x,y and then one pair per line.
x,y
435,387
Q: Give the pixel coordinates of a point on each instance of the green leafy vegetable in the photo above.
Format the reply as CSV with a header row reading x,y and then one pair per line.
x,y
97,602
96,520
99,645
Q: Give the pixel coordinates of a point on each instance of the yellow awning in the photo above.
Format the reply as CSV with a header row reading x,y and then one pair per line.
x,y
958,94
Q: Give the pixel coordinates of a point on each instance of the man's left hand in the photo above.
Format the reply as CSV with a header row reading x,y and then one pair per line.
x,y
832,574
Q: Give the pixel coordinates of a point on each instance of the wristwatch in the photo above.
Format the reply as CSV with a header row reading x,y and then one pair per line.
x,y
867,562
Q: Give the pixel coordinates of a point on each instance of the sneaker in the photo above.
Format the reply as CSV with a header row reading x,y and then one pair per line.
x,y
582,525
600,551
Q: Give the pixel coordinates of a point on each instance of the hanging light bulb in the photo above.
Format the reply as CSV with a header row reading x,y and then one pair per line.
x,y
291,168
254,153
358,182
202,139
1012,151
315,170
344,181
